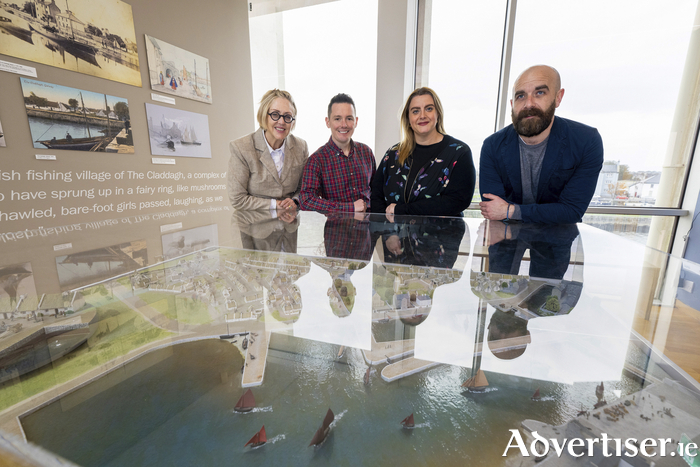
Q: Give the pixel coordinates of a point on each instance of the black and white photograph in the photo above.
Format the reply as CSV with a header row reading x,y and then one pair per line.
x,y
177,132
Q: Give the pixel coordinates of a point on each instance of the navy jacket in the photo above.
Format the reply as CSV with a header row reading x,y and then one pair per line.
x,y
570,168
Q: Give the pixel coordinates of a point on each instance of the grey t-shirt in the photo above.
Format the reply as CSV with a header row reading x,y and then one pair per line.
x,y
531,157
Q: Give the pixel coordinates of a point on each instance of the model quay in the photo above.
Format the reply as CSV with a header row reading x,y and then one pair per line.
x,y
282,358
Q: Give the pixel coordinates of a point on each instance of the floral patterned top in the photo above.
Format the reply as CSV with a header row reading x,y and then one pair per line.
x,y
444,186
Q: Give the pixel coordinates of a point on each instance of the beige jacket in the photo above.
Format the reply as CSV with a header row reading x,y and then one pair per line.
x,y
252,176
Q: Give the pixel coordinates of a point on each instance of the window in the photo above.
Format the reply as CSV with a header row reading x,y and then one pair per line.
x,y
315,53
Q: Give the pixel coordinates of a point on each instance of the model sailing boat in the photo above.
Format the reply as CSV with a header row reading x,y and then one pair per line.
x,y
477,383
536,396
324,429
246,403
258,438
408,422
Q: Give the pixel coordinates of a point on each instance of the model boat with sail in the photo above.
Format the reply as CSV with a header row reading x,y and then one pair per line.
x,y
477,383
258,438
246,403
324,429
408,422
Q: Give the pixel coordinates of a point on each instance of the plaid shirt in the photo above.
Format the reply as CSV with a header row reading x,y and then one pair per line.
x,y
333,181
347,237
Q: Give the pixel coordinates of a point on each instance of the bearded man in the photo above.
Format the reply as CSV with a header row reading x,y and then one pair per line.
x,y
542,168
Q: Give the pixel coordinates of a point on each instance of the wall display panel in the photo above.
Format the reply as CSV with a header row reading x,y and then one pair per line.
x,y
177,132
16,285
173,70
67,118
188,241
2,137
92,37
90,266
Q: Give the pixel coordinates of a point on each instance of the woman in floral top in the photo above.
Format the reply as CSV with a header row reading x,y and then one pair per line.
x,y
428,173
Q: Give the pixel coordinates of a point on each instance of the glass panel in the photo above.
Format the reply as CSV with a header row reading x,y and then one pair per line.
x,y
621,65
465,60
473,328
307,52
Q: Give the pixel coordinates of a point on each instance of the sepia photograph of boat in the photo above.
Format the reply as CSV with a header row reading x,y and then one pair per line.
x,y
96,38
67,118
2,137
86,267
177,132
175,71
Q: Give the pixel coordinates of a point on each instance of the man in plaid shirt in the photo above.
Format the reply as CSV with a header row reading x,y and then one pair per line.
x,y
337,176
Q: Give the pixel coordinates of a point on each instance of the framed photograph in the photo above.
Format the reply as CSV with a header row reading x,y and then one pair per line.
x,y
175,71
93,37
67,118
176,132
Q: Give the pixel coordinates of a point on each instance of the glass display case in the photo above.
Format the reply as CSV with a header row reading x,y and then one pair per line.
x,y
205,337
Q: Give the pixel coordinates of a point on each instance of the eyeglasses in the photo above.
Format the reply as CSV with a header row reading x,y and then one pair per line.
x,y
286,117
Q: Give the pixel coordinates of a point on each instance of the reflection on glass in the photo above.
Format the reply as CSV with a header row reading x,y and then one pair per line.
x,y
159,356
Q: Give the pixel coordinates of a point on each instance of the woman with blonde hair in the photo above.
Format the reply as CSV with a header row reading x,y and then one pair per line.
x,y
265,168
428,173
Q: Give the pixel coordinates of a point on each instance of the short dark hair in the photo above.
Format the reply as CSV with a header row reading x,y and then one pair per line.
x,y
341,98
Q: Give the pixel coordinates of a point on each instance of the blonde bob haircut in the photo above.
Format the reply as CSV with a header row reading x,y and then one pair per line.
x,y
266,103
408,140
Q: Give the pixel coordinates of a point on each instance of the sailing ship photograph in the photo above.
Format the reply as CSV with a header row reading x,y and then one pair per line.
x,y
67,118
177,132
86,267
96,38
176,71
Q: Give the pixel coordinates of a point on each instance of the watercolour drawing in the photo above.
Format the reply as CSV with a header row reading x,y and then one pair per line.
x,y
176,71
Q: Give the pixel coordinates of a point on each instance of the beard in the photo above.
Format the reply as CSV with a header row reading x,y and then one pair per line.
x,y
534,126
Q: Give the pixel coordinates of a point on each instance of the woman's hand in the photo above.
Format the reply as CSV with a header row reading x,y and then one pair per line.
x,y
390,212
287,203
